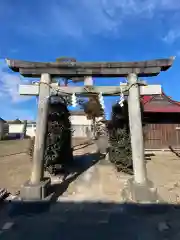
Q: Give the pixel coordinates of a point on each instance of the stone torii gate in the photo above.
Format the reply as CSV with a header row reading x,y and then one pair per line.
x,y
35,189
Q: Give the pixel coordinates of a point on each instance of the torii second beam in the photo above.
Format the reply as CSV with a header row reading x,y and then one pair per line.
x,y
33,90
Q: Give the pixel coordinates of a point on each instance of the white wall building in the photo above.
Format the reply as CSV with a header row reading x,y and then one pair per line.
x,y
81,126
15,128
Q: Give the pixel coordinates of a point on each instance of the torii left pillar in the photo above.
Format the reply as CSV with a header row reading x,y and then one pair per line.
x,y
37,187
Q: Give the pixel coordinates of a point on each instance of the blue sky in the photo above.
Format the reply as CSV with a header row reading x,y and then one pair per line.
x,y
89,30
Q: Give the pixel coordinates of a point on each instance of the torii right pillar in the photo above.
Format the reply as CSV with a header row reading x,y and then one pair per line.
x,y
139,188
136,130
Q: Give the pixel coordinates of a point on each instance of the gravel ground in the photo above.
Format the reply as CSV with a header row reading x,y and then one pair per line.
x,y
15,164
164,171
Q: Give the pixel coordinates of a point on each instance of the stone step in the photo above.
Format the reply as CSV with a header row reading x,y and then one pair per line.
x,y
165,159
165,155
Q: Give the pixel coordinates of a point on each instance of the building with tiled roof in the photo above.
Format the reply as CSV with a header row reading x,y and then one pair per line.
x,y
162,118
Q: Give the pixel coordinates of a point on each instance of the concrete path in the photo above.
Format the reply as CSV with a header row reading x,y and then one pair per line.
x,y
98,182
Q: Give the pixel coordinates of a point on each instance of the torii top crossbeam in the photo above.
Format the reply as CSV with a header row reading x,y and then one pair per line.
x,y
94,69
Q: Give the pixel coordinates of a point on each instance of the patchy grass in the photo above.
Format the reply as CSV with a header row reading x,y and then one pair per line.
x,y
15,164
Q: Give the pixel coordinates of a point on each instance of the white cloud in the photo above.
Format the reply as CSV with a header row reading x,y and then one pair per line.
x,y
74,20
10,99
9,85
172,36
178,53
77,19
80,19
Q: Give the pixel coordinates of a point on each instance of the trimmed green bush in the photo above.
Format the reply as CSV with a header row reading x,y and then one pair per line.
x,y
120,152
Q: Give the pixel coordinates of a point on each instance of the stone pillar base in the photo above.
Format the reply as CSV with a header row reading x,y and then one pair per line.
x,y
134,192
37,192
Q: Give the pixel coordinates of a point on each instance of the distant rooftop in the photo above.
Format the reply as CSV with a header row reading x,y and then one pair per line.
x,y
78,112
2,120
17,121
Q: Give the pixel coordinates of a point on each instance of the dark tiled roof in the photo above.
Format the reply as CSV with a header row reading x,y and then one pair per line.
x,y
77,113
31,122
2,120
14,122
167,105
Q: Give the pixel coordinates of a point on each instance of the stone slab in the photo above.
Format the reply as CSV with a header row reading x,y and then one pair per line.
x,y
138,193
35,192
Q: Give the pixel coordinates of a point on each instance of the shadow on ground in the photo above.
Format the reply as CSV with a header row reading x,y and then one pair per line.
x,y
174,151
91,220
81,164
148,156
